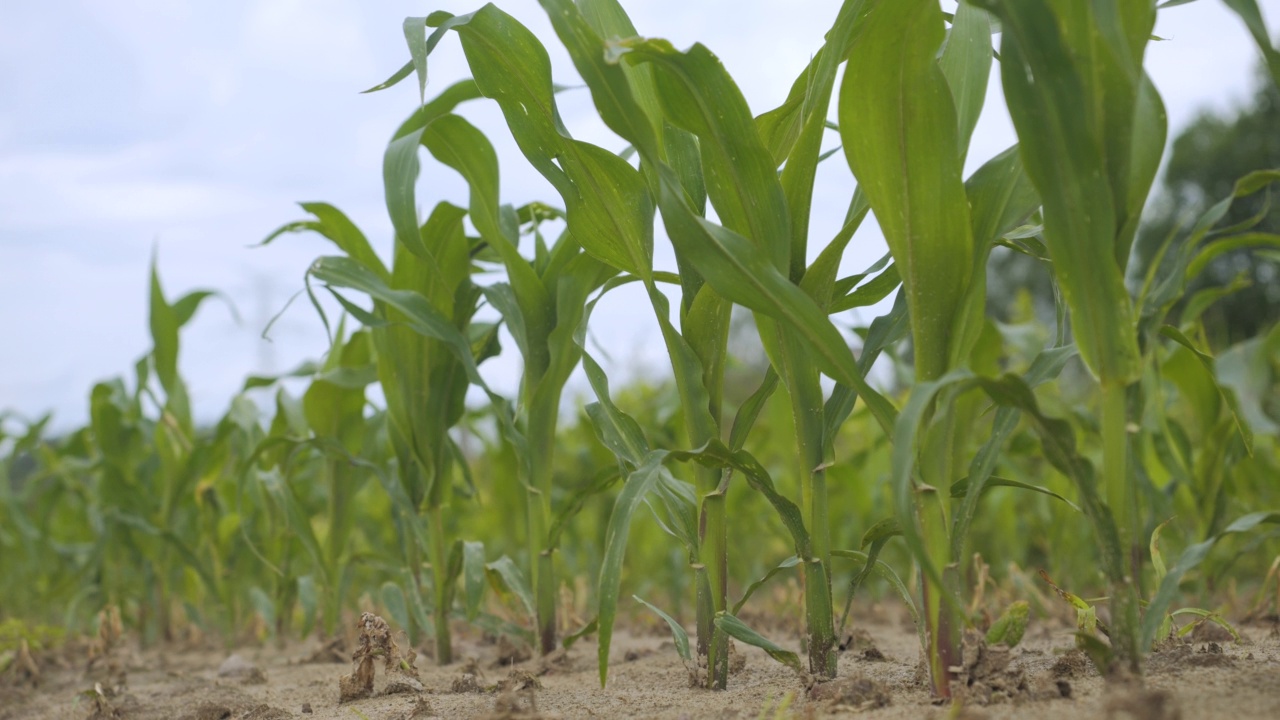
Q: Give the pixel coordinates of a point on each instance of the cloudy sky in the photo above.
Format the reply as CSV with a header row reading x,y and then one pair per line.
x,y
193,128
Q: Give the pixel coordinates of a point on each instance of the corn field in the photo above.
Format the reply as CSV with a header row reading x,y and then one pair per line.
x,y
1115,449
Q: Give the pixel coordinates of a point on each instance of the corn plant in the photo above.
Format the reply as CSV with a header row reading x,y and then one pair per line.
x,y
1092,129
426,349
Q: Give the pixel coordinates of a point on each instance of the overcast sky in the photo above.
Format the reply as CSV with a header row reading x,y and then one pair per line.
x,y
193,128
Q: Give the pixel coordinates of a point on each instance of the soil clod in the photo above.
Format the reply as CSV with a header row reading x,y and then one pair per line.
x,y
515,704
467,683
237,668
986,676
211,711
517,681
555,662
421,710
1142,704
1071,664
266,712
510,652
856,691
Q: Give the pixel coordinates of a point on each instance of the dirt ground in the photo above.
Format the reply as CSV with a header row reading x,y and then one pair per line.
x,y
1043,678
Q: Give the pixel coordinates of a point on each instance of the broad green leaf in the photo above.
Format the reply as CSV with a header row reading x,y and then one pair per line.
x,y
1046,366
899,127
750,410
1081,175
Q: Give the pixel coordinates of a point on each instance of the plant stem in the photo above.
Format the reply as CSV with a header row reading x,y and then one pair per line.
x,y
933,511
807,411
440,586
713,591
942,627
1120,498
541,436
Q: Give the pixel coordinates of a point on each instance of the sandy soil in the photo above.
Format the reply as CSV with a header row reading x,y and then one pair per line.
x,y
1042,679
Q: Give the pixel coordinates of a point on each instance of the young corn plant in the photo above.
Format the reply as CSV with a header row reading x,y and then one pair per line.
x,y
909,102
1092,127
544,298
426,348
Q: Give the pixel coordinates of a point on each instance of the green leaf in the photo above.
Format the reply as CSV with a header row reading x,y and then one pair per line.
x,y
786,564
715,454
899,128
309,601
1075,138
1251,14
738,630
1157,558
1227,394
393,600
966,63
678,633
634,490
734,267
1010,626
513,579
960,488
473,576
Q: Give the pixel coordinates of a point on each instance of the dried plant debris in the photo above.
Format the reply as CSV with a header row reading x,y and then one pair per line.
x,y
398,684
20,667
421,710
101,705
855,691
106,663
376,642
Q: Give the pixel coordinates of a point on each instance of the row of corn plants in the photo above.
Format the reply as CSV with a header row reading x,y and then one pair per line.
x,y
339,495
